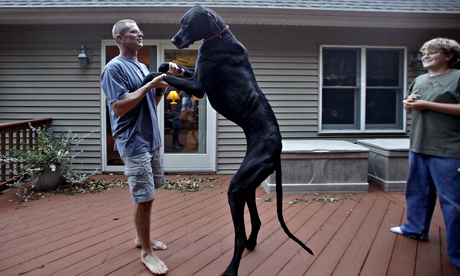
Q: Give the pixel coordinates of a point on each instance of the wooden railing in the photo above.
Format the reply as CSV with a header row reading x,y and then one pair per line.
x,y
15,135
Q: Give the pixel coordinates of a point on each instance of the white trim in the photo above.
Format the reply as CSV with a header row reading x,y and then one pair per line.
x,y
102,101
362,87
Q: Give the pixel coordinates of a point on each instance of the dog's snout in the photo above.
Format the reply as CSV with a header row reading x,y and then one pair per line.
x,y
176,39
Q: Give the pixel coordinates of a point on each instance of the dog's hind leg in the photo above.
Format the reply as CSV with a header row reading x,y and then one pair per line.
x,y
236,201
255,220
243,186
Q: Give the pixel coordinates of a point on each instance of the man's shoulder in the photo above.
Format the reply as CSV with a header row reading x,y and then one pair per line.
x,y
120,62
422,77
115,62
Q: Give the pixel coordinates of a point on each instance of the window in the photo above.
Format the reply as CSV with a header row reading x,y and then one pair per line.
x,y
361,89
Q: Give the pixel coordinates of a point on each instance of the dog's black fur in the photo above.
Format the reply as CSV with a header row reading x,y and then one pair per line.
x,y
224,73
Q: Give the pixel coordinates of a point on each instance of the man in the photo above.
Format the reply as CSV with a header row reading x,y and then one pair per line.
x,y
134,123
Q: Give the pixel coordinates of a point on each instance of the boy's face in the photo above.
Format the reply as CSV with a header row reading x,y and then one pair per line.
x,y
435,58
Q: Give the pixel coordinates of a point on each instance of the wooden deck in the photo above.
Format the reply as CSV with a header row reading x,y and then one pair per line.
x,y
93,234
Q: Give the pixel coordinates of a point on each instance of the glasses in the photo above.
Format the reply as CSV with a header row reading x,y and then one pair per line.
x,y
136,32
430,54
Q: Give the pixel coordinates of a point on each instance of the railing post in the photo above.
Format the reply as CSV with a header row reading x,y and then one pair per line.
x,y
15,135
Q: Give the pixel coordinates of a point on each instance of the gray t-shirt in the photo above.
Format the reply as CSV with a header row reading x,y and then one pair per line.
x,y
137,131
435,133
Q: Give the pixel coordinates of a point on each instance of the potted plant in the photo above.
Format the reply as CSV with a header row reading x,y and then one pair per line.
x,y
47,162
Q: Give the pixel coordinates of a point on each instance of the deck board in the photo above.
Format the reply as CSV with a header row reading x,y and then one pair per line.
x,y
93,234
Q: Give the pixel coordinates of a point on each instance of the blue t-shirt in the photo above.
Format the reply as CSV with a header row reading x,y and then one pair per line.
x,y
137,131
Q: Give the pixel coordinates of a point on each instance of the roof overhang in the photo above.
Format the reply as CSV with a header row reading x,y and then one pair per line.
x,y
231,15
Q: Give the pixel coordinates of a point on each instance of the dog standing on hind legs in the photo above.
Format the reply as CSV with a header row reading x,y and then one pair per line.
x,y
224,73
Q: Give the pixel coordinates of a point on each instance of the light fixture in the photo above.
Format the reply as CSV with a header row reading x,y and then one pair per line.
x,y
173,96
85,57
415,60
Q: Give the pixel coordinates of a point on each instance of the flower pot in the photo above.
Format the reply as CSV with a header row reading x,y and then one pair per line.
x,y
47,180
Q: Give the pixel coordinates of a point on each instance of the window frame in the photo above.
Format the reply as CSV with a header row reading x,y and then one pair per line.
x,y
360,118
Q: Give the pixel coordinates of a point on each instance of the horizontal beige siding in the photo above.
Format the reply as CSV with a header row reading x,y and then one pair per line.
x,y
40,77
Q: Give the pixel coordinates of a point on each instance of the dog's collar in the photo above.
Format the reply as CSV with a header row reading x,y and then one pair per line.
x,y
216,35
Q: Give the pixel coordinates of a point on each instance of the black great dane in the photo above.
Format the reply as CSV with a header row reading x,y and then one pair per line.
x,y
224,73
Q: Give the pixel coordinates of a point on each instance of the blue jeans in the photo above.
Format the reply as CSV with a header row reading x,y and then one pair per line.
x,y
429,177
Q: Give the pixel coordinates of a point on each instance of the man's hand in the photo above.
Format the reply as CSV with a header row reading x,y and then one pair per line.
x,y
413,102
174,70
409,103
158,82
415,105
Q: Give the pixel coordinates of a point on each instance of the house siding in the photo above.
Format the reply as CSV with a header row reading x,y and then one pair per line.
x,y
40,77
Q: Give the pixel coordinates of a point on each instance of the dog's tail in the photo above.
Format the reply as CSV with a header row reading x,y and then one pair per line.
x,y
279,209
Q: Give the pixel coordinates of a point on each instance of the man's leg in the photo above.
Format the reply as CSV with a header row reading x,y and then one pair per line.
x,y
447,180
140,179
420,198
155,244
142,213
159,181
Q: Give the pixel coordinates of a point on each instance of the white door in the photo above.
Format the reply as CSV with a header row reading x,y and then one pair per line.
x,y
188,124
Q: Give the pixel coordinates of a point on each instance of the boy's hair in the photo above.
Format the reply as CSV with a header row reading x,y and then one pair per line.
x,y
446,45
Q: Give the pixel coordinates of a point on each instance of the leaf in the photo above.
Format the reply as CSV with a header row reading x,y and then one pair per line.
x,y
190,184
297,200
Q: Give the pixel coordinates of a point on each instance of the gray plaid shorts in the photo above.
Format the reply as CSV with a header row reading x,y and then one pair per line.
x,y
145,173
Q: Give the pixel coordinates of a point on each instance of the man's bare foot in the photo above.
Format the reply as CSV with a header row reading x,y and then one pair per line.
x,y
154,264
156,245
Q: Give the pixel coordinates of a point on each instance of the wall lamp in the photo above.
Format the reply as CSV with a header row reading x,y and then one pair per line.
x,y
415,60
85,57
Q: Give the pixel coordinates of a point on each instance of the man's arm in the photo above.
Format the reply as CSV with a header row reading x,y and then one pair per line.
x,y
123,106
446,108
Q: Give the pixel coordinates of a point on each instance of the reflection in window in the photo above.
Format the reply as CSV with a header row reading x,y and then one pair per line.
x,y
342,90
185,115
182,133
383,67
381,106
340,67
339,106
384,89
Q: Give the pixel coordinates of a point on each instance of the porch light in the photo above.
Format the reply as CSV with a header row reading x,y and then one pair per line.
x,y
85,57
173,96
415,61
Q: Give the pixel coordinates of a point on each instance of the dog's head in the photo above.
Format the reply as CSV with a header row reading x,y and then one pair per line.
x,y
198,23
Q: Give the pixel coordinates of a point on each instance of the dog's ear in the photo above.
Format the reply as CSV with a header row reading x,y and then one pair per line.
x,y
215,18
205,11
208,13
